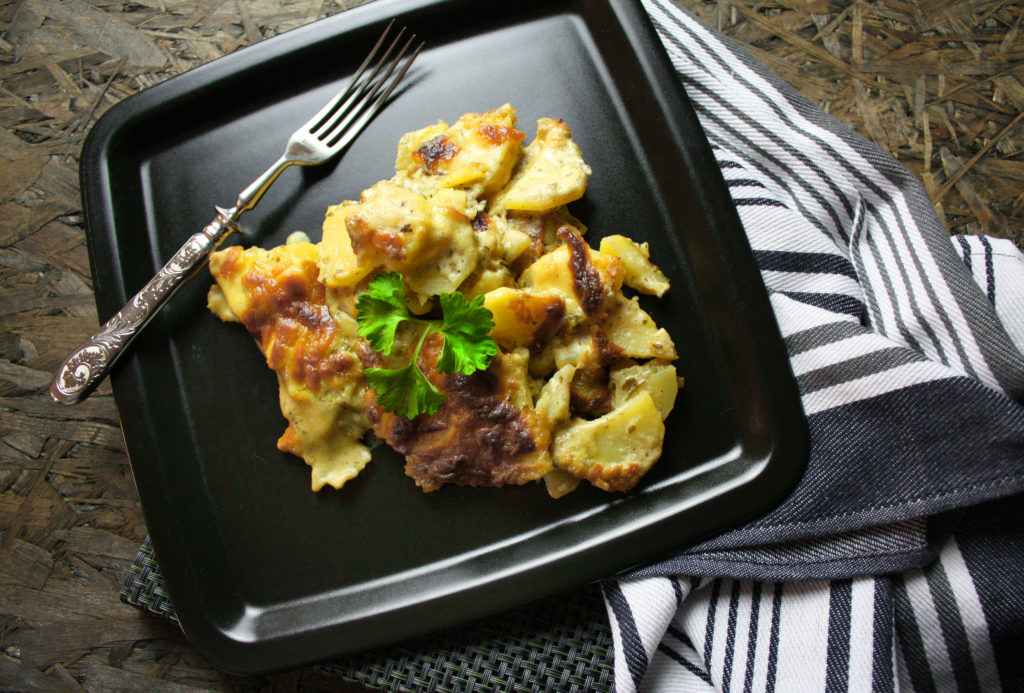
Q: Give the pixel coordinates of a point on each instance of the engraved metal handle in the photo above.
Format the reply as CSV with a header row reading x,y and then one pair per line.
x,y
89,364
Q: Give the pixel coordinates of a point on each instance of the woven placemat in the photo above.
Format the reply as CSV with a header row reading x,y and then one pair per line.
x,y
561,644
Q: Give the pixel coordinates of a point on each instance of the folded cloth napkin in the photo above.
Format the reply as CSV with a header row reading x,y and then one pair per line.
x,y
893,564
885,569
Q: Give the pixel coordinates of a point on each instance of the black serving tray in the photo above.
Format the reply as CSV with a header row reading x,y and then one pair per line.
x,y
263,573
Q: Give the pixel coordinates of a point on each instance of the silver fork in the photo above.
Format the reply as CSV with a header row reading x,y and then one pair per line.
x,y
318,140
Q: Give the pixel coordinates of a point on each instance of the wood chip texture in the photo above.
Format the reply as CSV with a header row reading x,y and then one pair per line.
x,y
939,84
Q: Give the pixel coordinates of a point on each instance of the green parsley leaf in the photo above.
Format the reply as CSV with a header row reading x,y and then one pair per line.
x,y
468,346
405,391
381,310
466,327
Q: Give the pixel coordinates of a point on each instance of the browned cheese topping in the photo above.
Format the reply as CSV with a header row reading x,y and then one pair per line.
x,y
287,314
434,151
478,438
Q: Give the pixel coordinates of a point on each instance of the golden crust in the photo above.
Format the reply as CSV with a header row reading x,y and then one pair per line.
x,y
480,437
276,295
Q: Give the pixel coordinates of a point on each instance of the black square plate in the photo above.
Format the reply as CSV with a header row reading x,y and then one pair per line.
x,y
265,574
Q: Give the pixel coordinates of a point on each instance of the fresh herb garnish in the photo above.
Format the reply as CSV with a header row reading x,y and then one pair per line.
x,y
468,346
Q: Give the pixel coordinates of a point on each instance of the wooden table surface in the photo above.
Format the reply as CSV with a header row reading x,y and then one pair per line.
x,y
938,83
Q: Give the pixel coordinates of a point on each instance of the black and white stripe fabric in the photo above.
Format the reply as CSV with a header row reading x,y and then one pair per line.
x,y
893,565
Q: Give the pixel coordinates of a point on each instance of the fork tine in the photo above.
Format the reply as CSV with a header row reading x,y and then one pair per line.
x,y
401,73
358,91
329,109
347,124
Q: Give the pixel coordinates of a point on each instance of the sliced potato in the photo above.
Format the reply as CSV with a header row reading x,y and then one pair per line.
x,y
550,271
551,174
613,451
554,397
339,265
410,142
523,318
390,226
512,243
478,151
632,329
514,365
428,239
559,483
486,279
553,272
453,260
656,378
641,274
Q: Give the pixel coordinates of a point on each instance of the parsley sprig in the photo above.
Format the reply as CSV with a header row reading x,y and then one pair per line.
x,y
468,346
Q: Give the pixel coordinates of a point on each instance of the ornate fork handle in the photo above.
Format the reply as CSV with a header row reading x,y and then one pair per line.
x,y
316,141
89,364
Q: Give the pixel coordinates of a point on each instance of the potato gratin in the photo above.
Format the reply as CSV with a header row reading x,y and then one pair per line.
x,y
582,380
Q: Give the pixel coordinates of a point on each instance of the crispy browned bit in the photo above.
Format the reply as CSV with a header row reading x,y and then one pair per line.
x,y
367,239
551,320
434,151
481,222
289,318
589,393
368,356
229,258
593,294
498,134
586,280
477,438
608,353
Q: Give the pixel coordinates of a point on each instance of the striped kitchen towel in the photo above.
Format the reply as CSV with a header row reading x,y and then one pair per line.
x,y
896,562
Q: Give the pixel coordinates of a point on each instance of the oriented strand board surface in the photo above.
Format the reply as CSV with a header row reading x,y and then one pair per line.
x,y
938,83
